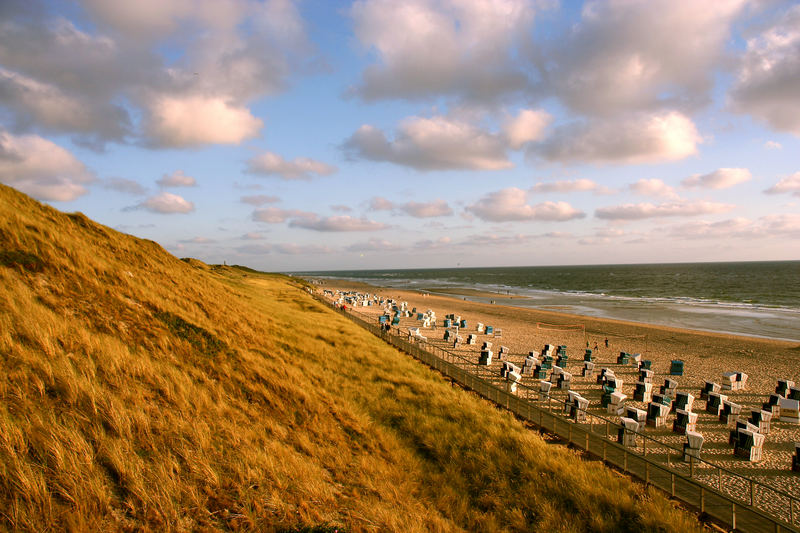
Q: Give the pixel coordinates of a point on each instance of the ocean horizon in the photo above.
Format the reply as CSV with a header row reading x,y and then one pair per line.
x,y
753,298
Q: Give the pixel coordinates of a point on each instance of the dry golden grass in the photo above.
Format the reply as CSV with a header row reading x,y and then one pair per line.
x,y
144,393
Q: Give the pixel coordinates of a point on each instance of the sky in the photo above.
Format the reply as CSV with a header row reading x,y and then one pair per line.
x,y
374,134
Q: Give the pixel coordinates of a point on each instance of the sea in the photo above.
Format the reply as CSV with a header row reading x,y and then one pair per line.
x,y
760,299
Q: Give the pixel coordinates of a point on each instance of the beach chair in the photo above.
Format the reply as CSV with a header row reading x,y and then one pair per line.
x,y
790,410
623,358
657,414
626,435
616,405
772,404
669,388
587,356
663,399
734,433
513,378
458,339
676,368
382,319
643,392
489,330
645,376
588,369
544,390
486,345
579,407
561,350
645,364
462,324
640,415
548,349
498,333
693,445
479,327
508,367
486,358
684,421
730,412
794,393
683,400
396,320
561,361
539,372
796,458
547,362
714,403
557,370
503,351
708,387
571,395
564,381
528,364
605,396
762,419
749,445
604,374
615,383
636,359
783,387
447,323
729,381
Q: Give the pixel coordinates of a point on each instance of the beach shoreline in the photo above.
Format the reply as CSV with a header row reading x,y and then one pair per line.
x,y
706,355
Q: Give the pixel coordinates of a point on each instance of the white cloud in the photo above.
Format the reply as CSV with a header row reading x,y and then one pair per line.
x,y
259,199
722,178
437,143
788,184
578,185
379,203
433,244
41,168
672,209
300,168
167,203
275,215
198,240
773,145
637,139
374,245
176,179
192,121
527,126
252,236
510,205
768,82
436,208
640,55
336,223
496,240
427,47
124,186
653,187
766,227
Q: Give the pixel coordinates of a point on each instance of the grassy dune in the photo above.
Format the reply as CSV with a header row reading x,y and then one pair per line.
x,y
145,393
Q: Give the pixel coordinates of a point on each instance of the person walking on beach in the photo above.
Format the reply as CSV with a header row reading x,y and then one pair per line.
x,y
606,342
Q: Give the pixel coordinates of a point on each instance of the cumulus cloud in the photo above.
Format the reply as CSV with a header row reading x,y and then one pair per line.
x,y
300,168
198,240
766,227
276,215
641,138
374,245
176,179
579,185
527,126
193,121
166,203
437,143
722,178
259,199
124,186
335,223
624,56
426,47
788,184
186,71
653,187
436,208
379,203
767,85
41,168
670,209
510,205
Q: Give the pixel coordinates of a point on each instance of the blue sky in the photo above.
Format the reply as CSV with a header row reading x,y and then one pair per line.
x,y
382,134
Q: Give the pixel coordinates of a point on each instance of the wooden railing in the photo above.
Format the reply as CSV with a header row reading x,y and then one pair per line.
x,y
738,501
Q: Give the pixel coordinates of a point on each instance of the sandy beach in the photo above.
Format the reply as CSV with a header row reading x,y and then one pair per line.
x,y
706,356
